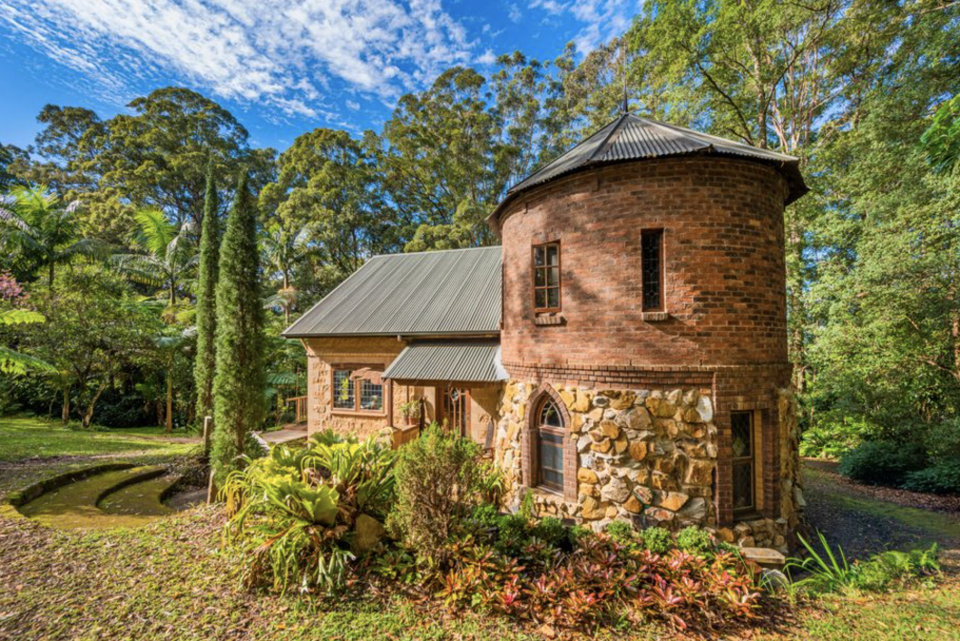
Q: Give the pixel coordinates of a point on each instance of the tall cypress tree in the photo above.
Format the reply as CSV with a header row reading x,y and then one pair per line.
x,y
239,382
205,365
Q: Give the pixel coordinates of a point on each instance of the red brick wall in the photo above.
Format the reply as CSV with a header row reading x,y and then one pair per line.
x,y
723,255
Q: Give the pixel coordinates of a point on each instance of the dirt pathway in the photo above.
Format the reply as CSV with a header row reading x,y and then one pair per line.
x,y
865,520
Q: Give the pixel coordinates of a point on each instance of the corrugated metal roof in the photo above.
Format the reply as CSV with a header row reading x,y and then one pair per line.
x,y
469,362
631,137
442,292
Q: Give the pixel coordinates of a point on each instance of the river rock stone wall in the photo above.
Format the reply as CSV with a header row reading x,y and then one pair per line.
x,y
648,456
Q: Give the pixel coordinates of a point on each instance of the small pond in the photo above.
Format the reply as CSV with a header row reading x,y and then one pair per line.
x,y
128,497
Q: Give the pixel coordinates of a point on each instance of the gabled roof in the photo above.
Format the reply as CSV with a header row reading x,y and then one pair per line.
x,y
422,294
631,137
465,361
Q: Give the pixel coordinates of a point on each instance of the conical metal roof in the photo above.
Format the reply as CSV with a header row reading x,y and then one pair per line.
x,y
631,137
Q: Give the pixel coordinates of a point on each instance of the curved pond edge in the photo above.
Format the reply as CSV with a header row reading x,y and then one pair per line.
x,y
18,498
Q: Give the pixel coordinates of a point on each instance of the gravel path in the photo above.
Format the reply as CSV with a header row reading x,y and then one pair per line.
x,y
865,520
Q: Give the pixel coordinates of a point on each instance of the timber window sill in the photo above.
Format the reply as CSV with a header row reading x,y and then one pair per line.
x,y
359,413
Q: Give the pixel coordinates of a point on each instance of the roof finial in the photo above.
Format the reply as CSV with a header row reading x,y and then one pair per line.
x,y
625,107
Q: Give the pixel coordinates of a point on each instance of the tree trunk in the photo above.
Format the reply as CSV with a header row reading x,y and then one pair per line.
x,y
65,413
50,276
88,415
169,399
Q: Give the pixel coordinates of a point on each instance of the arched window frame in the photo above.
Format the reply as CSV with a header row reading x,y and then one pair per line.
x,y
531,439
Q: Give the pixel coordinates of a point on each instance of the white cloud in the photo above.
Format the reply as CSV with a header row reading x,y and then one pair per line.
x,y
353,105
488,58
514,13
600,20
284,54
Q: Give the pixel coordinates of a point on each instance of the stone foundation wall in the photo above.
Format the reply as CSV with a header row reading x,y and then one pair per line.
x,y
648,456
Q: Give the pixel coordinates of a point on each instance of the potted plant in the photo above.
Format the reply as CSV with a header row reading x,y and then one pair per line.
x,y
411,412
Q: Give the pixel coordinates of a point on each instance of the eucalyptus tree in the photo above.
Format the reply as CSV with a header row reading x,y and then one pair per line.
x,y
39,233
169,256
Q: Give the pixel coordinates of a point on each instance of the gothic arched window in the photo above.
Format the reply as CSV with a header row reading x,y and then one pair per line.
x,y
550,433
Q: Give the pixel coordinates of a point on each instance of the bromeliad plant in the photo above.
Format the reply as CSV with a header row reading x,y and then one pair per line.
x,y
293,514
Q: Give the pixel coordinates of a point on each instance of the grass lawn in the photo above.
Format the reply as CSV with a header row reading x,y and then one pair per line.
x,y
170,580
29,438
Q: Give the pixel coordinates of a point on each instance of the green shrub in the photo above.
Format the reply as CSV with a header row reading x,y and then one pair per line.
x,y
622,532
942,478
693,540
513,534
552,531
293,513
438,479
657,540
833,436
882,462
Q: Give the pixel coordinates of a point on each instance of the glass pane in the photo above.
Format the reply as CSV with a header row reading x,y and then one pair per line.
x,y
553,254
551,459
538,255
741,424
541,298
371,396
743,486
553,276
343,390
539,277
553,297
550,415
650,244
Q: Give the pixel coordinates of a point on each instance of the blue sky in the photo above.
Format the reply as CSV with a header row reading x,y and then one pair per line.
x,y
281,66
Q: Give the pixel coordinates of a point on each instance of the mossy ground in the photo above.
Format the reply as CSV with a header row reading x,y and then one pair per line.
x,y
170,580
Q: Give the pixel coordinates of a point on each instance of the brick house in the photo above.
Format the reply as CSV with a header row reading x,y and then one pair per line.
x,y
623,354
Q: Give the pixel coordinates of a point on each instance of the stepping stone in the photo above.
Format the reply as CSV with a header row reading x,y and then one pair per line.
x,y
764,557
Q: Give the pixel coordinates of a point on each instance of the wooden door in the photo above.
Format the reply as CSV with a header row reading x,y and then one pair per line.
x,y
455,408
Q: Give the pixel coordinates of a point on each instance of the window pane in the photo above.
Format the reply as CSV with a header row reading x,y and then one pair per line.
x,y
743,486
553,254
550,415
541,298
538,255
553,276
553,297
371,396
343,390
551,460
539,277
651,243
741,424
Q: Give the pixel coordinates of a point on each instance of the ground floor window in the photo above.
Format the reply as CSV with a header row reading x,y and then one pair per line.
x,y
356,389
550,450
744,465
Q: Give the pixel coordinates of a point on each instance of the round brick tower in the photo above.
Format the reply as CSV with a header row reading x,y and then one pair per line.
x,y
644,299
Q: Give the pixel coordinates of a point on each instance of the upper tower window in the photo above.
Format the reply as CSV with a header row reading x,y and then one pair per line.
x,y
651,268
546,277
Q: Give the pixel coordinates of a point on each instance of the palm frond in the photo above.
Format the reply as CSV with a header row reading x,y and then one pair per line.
x,y
156,231
90,247
20,317
146,270
15,363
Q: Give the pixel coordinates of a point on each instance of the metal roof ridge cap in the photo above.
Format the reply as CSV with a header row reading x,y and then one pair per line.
x,y
602,147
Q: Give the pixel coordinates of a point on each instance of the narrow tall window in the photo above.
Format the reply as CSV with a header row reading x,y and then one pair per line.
x,y
744,473
550,450
546,277
651,267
